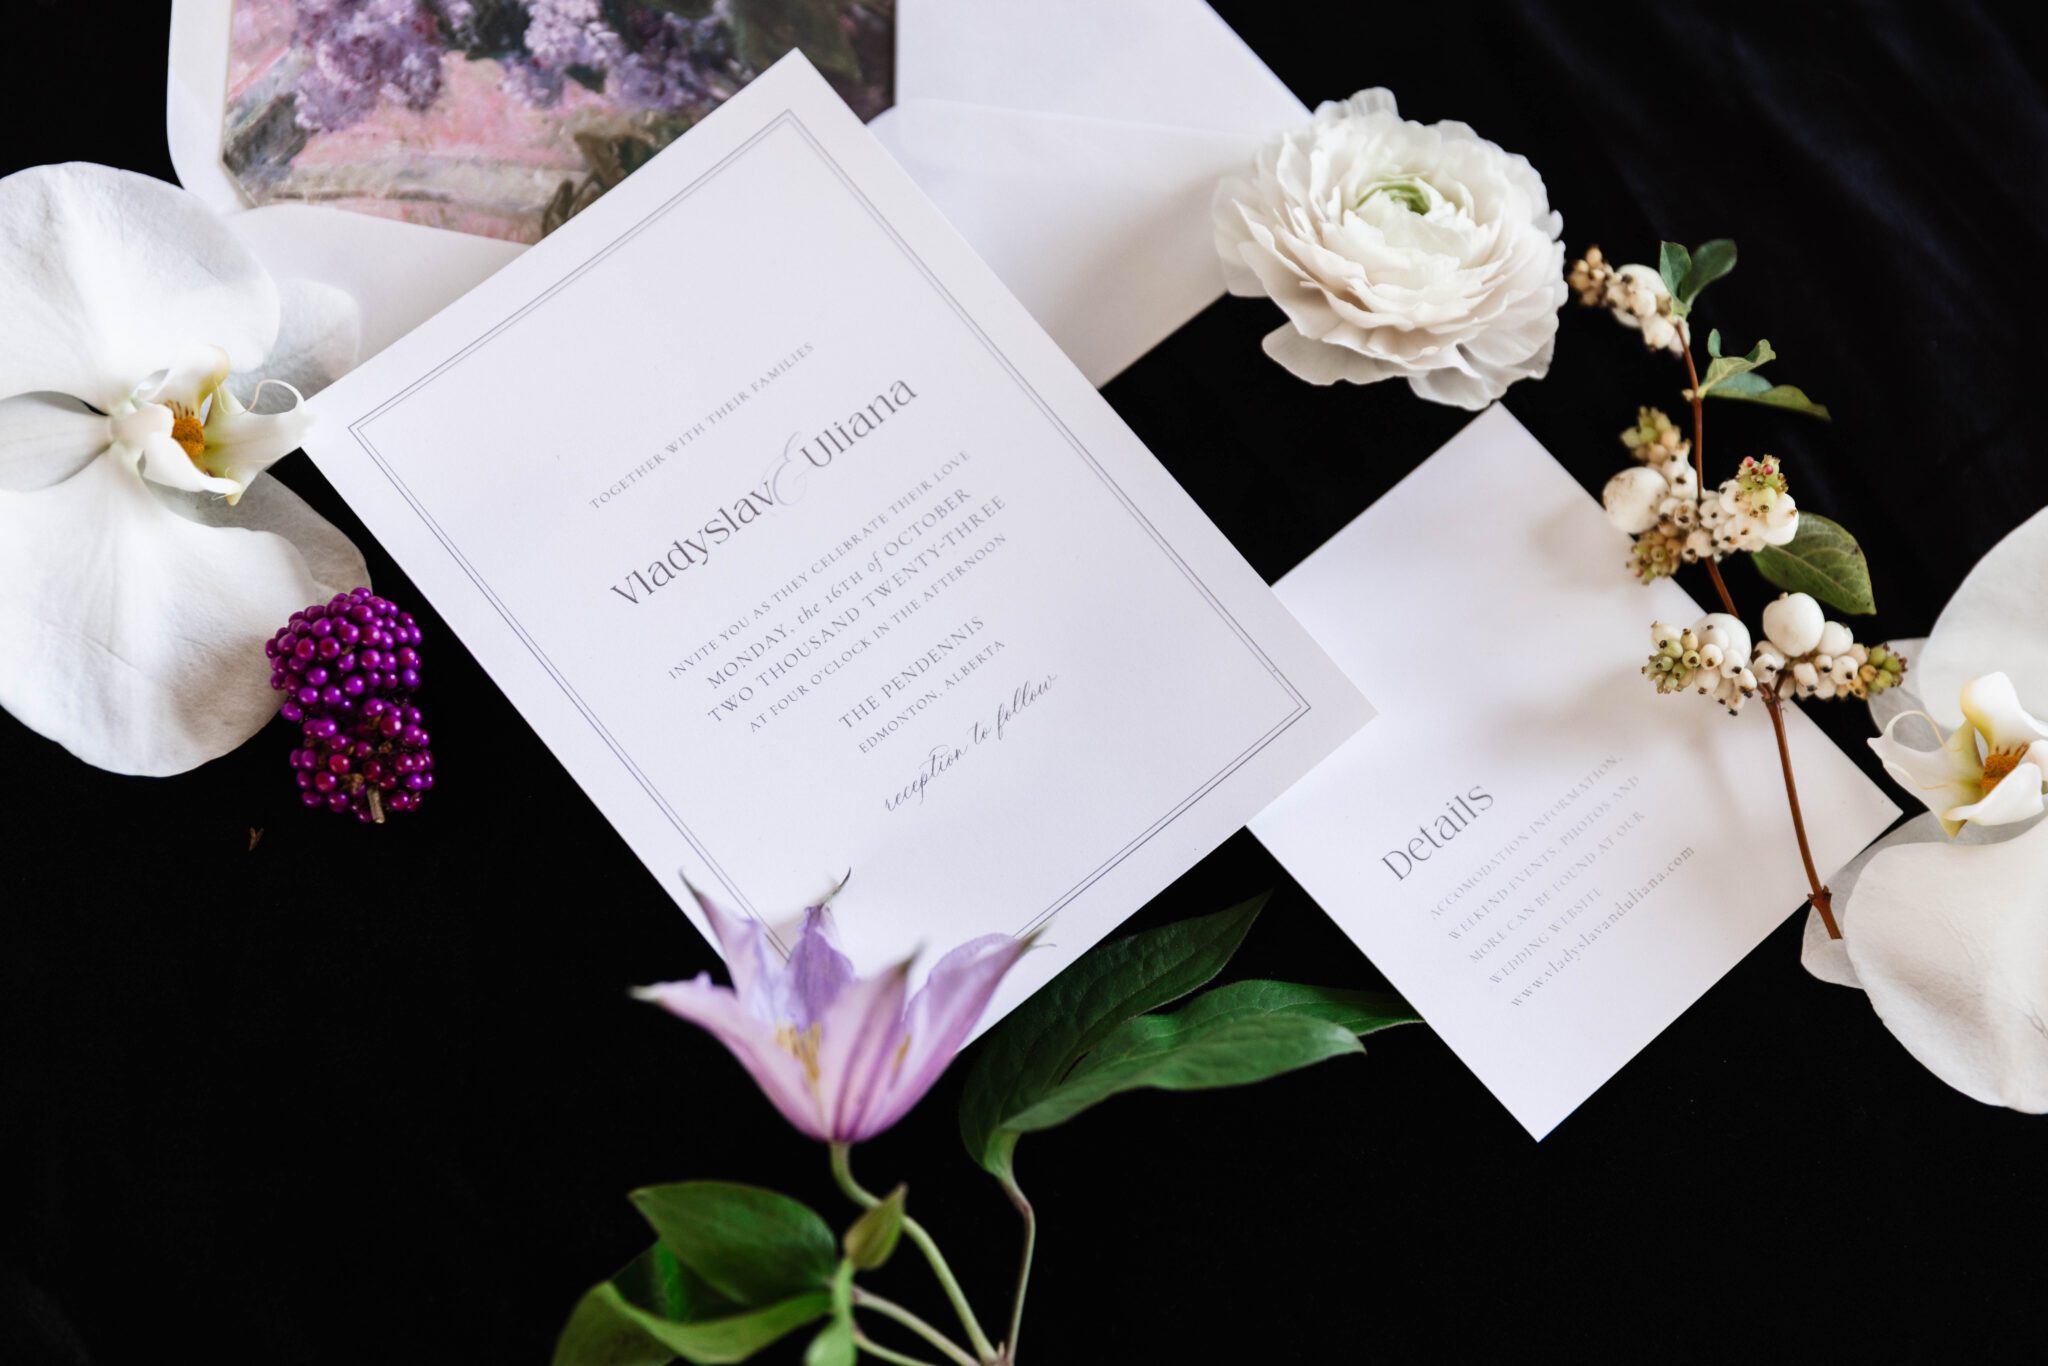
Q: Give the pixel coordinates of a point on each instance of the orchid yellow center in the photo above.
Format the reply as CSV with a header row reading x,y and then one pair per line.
x,y
1999,763
803,1047
190,434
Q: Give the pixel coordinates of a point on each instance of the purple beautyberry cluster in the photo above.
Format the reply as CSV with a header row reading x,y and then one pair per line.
x,y
348,668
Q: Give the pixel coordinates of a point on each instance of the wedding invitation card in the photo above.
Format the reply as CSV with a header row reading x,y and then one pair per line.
x,y
1547,858
806,550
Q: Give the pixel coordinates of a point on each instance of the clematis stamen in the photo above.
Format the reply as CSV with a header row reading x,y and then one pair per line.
x,y
803,1047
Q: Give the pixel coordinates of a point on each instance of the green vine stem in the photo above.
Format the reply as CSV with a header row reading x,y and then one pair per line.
x,y
868,1299
1023,1205
842,1172
1823,902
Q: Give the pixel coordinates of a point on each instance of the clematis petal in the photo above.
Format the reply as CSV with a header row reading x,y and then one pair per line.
x,y
860,1040
779,1073
1991,705
941,1016
240,444
1943,778
818,971
1989,624
1951,943
135,636
110,273
47,438
759,975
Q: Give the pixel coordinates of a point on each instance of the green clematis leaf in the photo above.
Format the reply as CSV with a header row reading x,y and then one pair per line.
x,y
1025,1056
1235,1035
752,1246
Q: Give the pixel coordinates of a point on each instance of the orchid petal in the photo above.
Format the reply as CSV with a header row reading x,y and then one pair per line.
x,y
269,506
1902,697
193,376
2016,798
47,438
158,458
1986,625
147,655
1943,778
779,1073
943,1013
1991,704
109,274
319,337
1951,943
240,444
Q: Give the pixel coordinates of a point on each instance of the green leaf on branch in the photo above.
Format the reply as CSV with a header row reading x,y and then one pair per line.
x,y
753,1246
1026,1055
1722,368
1824,560
1712,261
873,1236
1235,1035
1673,262
599,1333
734,1337
1754,388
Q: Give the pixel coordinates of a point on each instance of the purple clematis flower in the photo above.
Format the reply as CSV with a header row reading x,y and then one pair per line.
x,y
842,1056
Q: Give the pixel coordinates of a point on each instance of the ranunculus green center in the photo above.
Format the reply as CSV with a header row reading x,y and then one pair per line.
x,y
1411,194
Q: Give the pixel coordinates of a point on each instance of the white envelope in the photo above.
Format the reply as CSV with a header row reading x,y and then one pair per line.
x,y
1076,144
400,273
1073,142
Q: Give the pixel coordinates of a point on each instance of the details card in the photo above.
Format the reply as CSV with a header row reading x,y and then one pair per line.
x,y
1547,858
806,550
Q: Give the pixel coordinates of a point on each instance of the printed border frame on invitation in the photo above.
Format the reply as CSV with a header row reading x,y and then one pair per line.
x,y
789,119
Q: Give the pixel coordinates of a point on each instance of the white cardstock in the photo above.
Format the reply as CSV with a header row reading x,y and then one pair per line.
x,y
806,550
1547,858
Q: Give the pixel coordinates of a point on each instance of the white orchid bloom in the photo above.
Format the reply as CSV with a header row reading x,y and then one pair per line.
x,y
1989,770
143,559
1945,920
1949,938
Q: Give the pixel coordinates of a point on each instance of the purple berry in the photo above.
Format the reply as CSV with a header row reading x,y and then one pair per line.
x,y
348,668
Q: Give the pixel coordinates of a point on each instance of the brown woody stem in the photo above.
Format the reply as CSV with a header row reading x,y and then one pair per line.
x,y
1818,894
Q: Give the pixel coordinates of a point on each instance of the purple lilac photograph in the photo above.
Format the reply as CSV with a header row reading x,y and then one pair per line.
x,y
505,117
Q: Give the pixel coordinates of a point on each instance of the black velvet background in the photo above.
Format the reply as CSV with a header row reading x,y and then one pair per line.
x,y
378,1096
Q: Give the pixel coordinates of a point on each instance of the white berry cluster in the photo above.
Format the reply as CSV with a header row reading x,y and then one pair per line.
x,y
1712,658
1803,654
1752,510
1634,294
1658,502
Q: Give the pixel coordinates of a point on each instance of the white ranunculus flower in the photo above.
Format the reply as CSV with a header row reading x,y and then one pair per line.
x,y
143,558
1397,250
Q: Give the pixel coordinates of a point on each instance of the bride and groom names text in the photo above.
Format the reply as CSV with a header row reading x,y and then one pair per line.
x,y
786,482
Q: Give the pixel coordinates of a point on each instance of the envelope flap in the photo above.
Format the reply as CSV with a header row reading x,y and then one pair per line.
x,y
1146,61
